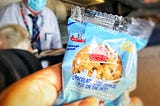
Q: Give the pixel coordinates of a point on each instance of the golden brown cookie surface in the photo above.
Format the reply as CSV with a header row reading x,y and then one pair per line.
x,y
99,58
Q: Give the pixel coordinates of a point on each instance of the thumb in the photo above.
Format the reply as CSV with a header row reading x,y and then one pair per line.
x,y
89,101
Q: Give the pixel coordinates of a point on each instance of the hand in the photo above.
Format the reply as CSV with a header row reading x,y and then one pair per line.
x,y
38,89
89,101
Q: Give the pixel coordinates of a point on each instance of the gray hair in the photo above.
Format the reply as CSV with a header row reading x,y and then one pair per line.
x,y
14,36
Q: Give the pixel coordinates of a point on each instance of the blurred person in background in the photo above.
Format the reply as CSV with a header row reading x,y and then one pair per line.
x,y
13,36
40,22
16,55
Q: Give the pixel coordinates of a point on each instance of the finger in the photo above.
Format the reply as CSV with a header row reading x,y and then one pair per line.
x,y
76,103
51,74
135,101
38,89
89,101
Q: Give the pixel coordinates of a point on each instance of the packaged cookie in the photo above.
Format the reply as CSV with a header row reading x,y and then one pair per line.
x,y
101,56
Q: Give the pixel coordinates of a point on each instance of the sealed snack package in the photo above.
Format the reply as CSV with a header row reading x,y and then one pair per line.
x,y
101,56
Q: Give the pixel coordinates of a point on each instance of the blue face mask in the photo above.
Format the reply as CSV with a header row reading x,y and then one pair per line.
x,y
36,5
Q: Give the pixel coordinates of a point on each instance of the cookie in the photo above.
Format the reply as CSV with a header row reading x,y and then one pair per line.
x,y
100,59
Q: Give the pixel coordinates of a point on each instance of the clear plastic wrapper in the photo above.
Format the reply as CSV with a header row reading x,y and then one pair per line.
x,y
101,56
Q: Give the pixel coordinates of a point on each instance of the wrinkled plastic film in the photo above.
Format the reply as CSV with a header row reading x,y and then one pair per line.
x,y
92,16
138,28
